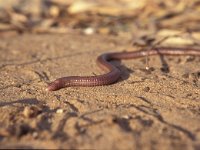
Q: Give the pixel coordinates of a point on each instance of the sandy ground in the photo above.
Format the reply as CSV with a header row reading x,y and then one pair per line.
x,y
159,109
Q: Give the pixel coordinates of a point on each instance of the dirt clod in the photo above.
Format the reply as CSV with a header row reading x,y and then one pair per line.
x,y
31,111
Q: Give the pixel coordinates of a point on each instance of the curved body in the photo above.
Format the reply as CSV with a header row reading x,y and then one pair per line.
x,y
113,73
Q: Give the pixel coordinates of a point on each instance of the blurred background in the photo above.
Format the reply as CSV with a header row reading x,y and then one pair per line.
x,y
176,21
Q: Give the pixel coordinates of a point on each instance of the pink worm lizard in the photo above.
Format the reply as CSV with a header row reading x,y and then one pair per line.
x,y
113,73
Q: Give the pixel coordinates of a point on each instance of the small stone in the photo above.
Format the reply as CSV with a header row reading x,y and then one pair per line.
x,y
148,70
35,134
31,112
146,89
126,117
89,31
54,11
59,111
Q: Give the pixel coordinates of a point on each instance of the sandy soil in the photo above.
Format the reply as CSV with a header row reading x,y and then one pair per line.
x,y
159,109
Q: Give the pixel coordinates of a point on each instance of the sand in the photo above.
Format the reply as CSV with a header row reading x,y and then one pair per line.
x,y
157,109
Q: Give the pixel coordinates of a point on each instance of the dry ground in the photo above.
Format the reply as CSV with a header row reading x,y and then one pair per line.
x,y
159,109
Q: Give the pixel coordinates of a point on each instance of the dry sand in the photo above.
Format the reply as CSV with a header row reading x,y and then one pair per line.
x,y
159,109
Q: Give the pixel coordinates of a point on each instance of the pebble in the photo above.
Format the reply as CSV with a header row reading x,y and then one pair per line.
x,y
30,112
35,134
146,89
59,111
89,31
